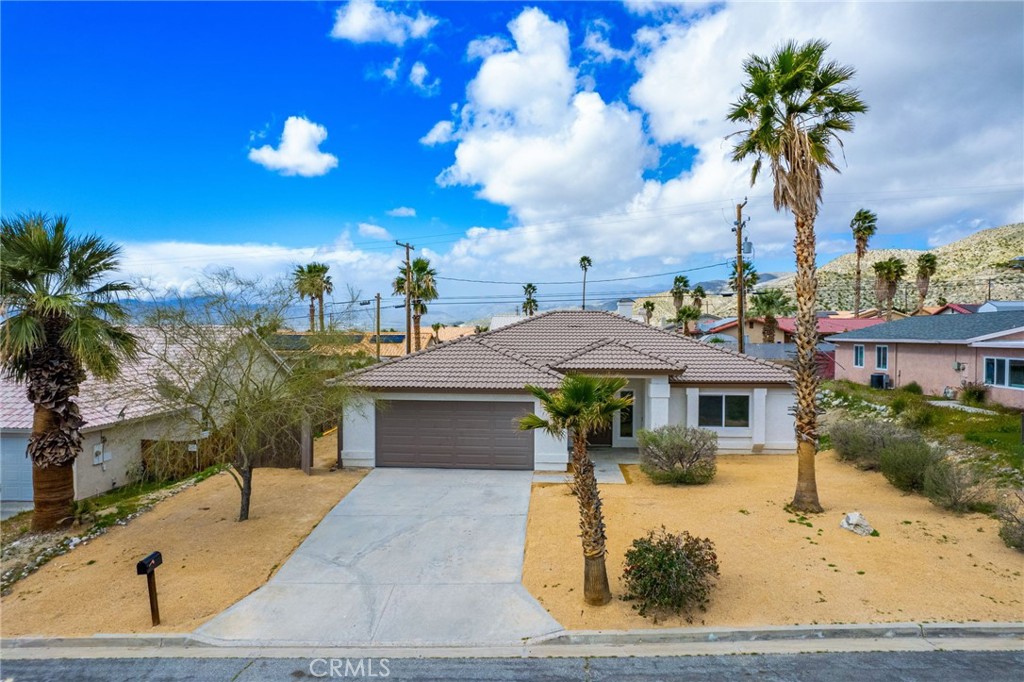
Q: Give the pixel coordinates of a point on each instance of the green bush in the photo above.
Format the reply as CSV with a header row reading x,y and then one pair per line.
x,y
954,485
1011,520
898,404
919,417
670,574
904,461
862,441
914,388
973,394
678,454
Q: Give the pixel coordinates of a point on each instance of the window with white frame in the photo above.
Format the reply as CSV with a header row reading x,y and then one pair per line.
x,y
881,357
1005,372
858,355
724,411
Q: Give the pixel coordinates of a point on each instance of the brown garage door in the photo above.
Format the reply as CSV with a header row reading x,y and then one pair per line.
x,y
452,434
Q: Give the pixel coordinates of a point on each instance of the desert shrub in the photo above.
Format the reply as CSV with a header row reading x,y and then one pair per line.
x,y
862,441
670,574
954,485
919,417
898,404
678,454
904,461
914,388
1011,520
973,394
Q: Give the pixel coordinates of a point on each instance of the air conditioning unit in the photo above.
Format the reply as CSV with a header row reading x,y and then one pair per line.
x,y
880,380
959,366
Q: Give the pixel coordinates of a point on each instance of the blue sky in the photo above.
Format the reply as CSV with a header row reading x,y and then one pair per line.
x,y
558,129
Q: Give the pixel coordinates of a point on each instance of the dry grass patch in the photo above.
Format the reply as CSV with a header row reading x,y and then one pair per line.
x,y
926,565
210,560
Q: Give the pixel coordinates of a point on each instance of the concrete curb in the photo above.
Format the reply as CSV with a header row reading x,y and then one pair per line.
x,y
575,637
778,633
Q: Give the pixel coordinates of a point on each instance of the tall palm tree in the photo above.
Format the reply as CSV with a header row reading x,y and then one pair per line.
x,y
687,314
304,280
863,225
699,295
422,289
795,105
62,321
585,264
927,264
529,303
750,277
770,304
321,284
888,274
680,288
583,404
648,310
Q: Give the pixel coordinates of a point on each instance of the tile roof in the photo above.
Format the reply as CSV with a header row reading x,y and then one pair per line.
x,y
531,350
938,328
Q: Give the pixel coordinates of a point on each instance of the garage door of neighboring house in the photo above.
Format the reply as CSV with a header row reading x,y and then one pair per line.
x,y
15,469
453,434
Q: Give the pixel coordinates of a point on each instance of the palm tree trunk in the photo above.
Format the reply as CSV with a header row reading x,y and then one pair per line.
x,y
312,314
584,289
922,291
856,289
53,493
595,573
416,329
320,300
806,416
768,331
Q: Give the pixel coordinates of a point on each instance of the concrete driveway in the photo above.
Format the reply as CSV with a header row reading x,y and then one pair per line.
x,y
410,557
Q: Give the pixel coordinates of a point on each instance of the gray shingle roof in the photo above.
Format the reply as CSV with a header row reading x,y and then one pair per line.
x,y
537,349
937,328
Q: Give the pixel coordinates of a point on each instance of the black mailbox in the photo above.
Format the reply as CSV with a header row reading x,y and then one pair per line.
x,y
147,565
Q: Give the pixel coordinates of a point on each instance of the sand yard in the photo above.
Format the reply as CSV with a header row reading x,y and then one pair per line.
x,y
927,564
210,560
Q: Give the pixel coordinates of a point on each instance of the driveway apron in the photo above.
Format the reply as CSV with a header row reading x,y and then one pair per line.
x,y
410,557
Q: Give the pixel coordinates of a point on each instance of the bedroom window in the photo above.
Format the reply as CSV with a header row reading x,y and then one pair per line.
x,y
724,411
858,355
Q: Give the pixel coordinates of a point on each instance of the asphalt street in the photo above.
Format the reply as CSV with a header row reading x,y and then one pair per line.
x,y
953,666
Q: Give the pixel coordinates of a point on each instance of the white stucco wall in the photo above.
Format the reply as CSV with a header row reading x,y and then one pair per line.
x,y
771,423
359,428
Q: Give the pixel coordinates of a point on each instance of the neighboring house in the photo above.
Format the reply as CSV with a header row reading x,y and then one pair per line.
x,y
445,334
1000,306
868,314
941,353
786,333
455,405
948,309
392,344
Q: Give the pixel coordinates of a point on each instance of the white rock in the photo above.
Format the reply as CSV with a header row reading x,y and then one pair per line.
x,y
856,522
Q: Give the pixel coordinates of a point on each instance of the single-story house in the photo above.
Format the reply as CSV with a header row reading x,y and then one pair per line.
x,y
455,405
1000,306
786,332
940,353
948,309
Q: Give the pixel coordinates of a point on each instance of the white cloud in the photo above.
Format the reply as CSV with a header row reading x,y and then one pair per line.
x,y
440,133
482,48
596,42
419,77
402,212
298,152
363,21
373,231
391,72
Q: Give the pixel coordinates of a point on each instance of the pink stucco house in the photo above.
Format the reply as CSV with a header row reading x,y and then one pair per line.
x,y
941,353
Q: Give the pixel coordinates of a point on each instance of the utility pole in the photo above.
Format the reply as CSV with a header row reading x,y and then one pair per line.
x,y
740,295
408,300
378,325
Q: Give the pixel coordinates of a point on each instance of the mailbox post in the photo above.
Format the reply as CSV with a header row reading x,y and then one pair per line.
x,y
147,567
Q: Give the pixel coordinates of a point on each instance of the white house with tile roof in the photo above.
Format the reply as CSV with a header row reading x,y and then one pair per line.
x,y
455,405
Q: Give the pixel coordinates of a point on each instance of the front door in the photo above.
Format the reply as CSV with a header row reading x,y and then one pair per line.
x,y
602,438
627,428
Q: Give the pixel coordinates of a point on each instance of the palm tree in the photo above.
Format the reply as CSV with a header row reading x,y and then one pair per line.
x,y
648,310
685,315
888,274
770,304
927,264
699,295
304,280
864,225
680,288
795,105
750,277
61,322
422,288
583,404
529,303
321,284
585,264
